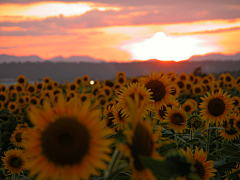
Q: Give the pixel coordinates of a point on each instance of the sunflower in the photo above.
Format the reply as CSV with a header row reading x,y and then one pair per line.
x,y
31,88
22,126
21,101
176,119
121,74
21,79
160,114
134,80
230,132
107,91
206,80
236,124
144,94
119,120
95,89
86,79
181,84
73,86
116,88
84,96
19,88
121,79
229,78
67,141
141,141
194,121
4,118
3,87
236,101
16,138
159,85
39,86
10,87
188,86
15,161
191,77
12,106
188,107
183,76
19,118
197,79
215,107
197,90
203,168
3,97
101,102
78,80
13,94
49,86
47,79
34,100
175,90
109,118
108,82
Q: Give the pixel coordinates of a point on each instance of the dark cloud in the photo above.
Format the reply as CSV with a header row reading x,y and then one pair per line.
x,y
157,12
9,47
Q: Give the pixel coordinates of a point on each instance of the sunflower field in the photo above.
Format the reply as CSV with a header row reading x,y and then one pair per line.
x,y
160,126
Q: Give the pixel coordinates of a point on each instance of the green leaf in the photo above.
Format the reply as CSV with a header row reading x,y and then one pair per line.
x,y
193,141
226,166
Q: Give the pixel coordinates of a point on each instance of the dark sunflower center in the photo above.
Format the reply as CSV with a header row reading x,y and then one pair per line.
x,y
110,118
228,79
2,97
107,92
187,108
157,88
236,102
120,80
12,106
18,137
39,86
85,79
21,101
238,124
173,91
33,101
31,89
197,90
103,102
177,119
72,87
195,122
15,162
49,87
162,112
232,131
79,81
65,141
109,83
134,81
199,169
180,84
83,98
142,144
19,89
21,80
216,107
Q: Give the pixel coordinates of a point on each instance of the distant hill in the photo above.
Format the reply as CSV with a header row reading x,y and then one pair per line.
x,y
8,59
68,71
215,57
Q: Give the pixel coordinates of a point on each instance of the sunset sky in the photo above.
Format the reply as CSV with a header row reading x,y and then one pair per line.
x,y
120,30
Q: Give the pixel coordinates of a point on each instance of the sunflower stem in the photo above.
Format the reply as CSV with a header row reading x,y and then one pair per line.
x,y
176,140
190,138
217,143
115,157
208,139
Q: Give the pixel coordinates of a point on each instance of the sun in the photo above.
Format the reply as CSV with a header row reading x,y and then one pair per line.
x,y
166,47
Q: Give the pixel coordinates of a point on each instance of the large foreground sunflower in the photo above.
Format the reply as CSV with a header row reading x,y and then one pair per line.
x,y
67,141
215,107
203,168
159,85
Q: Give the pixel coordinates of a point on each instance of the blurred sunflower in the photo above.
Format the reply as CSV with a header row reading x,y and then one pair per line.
x,y
159,85
176,119
78,80
67,141
215,107
14,161
229,78
109,117
121,74
134,80
130,90
236,101
21,101
107,91
95,89
16,138
3,87
160,113
203,168
34,100
39,86
191,77
236,124
86,79
119,120
197,90
13,94
12,106
183,76
194,121
175,90
108,82
22,126
19,88
230,132
121,80
188,86
188,107
19,118
21,79
31,88
47,80
141,141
